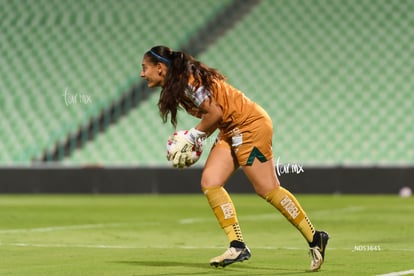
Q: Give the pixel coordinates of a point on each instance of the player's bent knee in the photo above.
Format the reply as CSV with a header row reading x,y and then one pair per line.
x,y
262,192
210,181
263,189
206,184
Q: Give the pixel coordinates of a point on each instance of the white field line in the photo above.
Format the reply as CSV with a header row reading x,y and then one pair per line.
x,y
274,216
72,227
267,216
398,273
62,245
58,228
103,246
114,246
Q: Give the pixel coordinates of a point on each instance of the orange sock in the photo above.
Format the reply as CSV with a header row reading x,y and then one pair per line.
x,y
287,204
222,206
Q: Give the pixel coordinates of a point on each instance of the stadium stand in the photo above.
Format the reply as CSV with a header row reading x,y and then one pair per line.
x,y
62,62
335,76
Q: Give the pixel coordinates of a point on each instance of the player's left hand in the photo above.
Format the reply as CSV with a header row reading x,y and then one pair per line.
x,y
182,152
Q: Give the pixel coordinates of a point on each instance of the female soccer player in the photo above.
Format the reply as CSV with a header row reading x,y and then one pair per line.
x,y
244,140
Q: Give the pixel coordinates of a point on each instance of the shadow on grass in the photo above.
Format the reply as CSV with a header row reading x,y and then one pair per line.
x,y
205,269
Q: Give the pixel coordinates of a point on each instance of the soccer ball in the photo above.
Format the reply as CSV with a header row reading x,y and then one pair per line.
x,y
197,148
405,192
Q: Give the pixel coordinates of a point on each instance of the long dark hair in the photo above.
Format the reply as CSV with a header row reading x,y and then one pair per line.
x,y
180,67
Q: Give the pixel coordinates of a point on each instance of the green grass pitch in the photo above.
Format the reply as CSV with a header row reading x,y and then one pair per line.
x,y
178,234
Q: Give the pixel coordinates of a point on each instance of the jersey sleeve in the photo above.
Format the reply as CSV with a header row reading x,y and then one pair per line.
x,y
197,95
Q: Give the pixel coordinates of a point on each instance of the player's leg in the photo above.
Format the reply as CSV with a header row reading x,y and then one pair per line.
x,y
219,166
266,184
256,156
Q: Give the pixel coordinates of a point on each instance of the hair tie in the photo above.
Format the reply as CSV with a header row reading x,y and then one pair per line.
x,y
161,58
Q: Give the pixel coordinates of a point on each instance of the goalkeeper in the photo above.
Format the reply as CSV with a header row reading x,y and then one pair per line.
x,y
244,140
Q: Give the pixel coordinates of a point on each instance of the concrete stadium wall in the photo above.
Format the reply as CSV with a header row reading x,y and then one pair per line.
x,y
344,180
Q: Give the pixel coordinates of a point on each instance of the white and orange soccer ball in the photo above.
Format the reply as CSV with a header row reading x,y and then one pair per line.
x,y
196,151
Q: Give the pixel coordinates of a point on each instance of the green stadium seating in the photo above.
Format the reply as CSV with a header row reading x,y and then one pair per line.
x,y
87,48
335,76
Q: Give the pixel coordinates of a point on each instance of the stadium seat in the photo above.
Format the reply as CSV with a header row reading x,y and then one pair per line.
x,y
335,76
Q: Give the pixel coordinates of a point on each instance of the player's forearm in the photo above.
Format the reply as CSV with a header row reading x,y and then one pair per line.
x,y
211,116
209,122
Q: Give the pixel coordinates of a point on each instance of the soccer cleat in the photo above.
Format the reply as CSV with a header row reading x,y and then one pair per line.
x,y
232,255
317,249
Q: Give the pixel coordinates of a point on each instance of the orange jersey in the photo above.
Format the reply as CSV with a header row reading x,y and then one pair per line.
x,y
245,127
238,110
